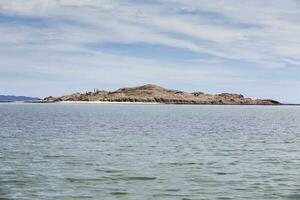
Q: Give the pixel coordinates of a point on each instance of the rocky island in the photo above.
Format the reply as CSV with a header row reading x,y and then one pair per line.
x,y
155,94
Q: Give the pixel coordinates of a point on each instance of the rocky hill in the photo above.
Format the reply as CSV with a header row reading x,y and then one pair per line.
x,y
157,94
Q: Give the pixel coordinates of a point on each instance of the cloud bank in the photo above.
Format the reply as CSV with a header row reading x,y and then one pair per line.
x,y
250,47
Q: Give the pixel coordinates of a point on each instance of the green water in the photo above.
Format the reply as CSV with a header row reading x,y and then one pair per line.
x,y
54,151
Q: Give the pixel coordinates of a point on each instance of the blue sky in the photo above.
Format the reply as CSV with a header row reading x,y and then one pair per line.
x,y
56,47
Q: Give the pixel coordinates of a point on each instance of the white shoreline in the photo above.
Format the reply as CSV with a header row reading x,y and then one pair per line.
x,y
105,102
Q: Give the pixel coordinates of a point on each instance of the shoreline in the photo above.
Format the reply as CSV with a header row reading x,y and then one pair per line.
x,y
148,103
106,102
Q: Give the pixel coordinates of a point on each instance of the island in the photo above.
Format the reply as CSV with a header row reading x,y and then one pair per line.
x,y
155,94
13,98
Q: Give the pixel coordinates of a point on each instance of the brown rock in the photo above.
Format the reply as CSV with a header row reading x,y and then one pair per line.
x,y
154,93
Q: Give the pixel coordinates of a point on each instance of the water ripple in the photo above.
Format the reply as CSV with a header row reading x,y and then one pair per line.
x,y
149,152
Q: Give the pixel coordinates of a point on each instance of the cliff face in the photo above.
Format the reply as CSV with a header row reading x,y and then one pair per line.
x,y
157,94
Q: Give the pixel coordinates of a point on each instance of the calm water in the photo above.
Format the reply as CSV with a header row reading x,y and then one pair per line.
x,y
50,151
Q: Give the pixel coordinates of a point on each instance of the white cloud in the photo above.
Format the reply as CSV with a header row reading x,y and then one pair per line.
x,y
262,33
293,61
271,35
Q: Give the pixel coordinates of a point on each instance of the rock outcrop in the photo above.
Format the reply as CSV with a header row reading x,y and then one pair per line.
x,y
157,94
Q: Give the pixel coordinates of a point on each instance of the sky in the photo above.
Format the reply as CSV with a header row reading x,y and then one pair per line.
x,y
57,47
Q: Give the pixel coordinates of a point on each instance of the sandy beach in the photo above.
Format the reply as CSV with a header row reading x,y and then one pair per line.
x,y
105,102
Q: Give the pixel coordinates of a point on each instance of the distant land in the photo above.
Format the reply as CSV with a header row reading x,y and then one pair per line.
x,y
155,94
10,98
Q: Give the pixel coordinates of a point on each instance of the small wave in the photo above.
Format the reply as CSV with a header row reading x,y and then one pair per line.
x,y
221,173
14,181
169,195
119,193
136,178
57,156
294,196
79,197
84,179
108,170
179,163
172,190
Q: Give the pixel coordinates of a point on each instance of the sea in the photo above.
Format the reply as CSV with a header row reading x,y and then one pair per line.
x,y
149,152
